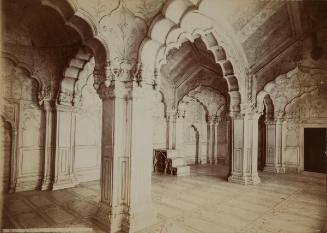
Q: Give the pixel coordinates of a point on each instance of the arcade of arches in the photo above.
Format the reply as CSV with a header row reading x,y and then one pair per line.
x,y
220,102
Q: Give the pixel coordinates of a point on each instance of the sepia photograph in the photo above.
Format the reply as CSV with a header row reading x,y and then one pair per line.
x,y
163,116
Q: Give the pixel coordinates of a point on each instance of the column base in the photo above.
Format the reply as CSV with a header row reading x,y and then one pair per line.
x,y
110,219
64,182
141,220
121,221
46,184
274,169
245,180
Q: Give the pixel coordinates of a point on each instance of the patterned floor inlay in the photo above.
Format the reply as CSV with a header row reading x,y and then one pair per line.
x,y
201,203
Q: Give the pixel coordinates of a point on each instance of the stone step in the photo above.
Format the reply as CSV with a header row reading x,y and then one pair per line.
x,y
182,171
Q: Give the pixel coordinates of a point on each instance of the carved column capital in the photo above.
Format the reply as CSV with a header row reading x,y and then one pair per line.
x,y
46,94
114,90
212,119
171,115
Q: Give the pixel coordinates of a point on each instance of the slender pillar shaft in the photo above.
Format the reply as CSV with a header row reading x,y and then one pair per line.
x,y
212,141
211,150
171,130
46,182
216,147
13,161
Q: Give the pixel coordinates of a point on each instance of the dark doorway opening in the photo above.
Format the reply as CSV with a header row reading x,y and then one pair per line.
x,y
314,150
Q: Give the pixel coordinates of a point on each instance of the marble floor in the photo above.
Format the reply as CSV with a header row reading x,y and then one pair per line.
x,y
201,203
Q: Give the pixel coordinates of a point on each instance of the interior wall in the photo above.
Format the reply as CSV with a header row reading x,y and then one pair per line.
x,y
22,109
88,135
159,123
195,117
310,110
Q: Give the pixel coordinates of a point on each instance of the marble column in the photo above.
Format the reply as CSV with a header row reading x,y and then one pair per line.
x,y
141,211
126,165
244,155
13,161
274,146
211,139
48,149
63,162
216,147
171,130
180,120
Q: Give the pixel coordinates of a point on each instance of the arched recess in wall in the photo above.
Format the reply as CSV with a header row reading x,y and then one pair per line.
x,y
93,45
180,21
299,100
265,136
194,114
22,111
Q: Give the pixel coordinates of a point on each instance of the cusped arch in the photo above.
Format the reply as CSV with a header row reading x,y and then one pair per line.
x,y
94,45
288,87
23,66
170,29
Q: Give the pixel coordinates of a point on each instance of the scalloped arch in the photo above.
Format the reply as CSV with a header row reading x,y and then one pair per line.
x,y
276,89
170,29
25,67
85,25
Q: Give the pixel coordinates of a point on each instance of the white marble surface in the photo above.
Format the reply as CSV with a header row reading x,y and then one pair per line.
x,y
201,203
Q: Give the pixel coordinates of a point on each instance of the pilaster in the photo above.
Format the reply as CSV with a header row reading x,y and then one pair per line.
x,y
274,132
63,174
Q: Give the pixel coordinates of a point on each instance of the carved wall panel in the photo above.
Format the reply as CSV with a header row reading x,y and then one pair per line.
x,y
88,134
310,108
20,94
299,98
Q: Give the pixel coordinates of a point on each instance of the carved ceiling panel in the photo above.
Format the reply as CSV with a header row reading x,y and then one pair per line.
x,y
264,39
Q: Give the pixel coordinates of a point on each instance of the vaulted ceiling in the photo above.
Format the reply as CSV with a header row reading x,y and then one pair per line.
x,y
190,58
27,23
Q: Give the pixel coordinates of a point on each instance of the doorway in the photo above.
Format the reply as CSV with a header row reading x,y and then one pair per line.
x,y
314,149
